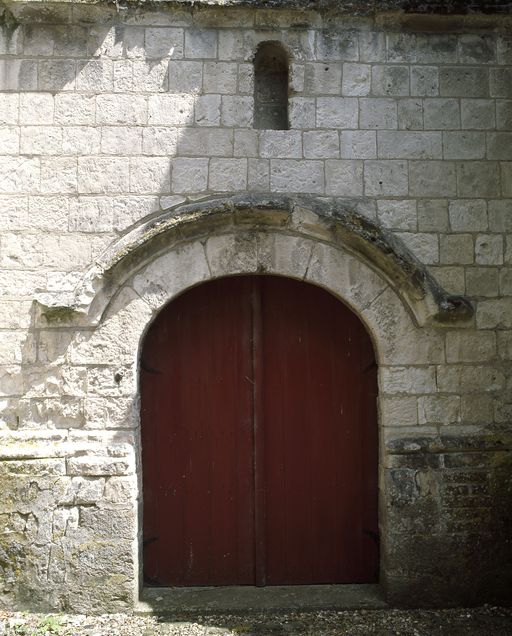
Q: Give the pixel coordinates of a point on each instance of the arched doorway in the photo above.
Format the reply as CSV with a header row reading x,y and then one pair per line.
x,y
259,438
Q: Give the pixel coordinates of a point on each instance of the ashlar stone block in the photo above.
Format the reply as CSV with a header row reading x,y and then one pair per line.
x,y
476,409
468,215
227,175
399,411
56,75
123,109
49,212
357,144
470,346
302,112
9,108
456,249
378,113
390,80
331,45
162,42
506,178
258,177
410,114
500,215
336,112
433,48
398,215
18,75
409,145
95,76
504,114
441,114
245,143
10,141
159,140
344,178
233,254
372,46
185,77
36,108
477,49
464,145
482,281
281,254
220,77
397,380
170,274
492,314
432,178
121,140
439,409
401,47
489,249
478,114
506,281
149,175
207,110
205,141
200,43
465,81
388,178
237,111
280,144
321,144
424,81
501,82
189,175
432,215
297,176
356,80
479,179
81,140
499,146
171,110
101,175
152,76
505,345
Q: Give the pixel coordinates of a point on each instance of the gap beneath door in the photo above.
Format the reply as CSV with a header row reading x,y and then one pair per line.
x,y
201,600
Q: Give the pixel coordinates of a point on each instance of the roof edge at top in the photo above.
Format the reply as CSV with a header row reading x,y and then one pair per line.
x,y
354,7
415,16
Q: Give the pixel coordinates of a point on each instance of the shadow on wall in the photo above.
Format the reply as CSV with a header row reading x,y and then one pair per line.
x,y
109,120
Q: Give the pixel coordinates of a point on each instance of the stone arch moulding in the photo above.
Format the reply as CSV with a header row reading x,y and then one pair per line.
x,y
318,220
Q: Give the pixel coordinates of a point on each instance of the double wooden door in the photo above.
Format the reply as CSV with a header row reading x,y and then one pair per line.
x,y
259,438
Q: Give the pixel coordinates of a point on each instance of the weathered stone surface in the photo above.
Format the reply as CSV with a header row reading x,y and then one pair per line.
x,y
110,116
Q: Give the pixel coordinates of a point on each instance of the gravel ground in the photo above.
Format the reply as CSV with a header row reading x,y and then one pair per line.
x,y
482,621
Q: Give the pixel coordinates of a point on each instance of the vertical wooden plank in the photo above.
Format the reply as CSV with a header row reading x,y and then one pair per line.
x,y
259,435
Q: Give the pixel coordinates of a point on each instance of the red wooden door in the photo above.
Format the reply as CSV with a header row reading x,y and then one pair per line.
x,y
259,438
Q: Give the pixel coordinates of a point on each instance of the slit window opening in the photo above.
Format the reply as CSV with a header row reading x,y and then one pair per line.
x,y
271,87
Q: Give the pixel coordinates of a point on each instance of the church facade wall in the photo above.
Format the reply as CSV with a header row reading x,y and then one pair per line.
x,y
114,116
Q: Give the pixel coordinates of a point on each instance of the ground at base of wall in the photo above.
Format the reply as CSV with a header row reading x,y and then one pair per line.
x,y
481,621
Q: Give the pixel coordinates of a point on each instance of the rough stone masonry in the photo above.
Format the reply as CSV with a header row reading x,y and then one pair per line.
x,y
130,170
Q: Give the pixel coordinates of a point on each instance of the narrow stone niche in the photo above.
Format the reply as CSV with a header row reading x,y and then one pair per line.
x,y
271,87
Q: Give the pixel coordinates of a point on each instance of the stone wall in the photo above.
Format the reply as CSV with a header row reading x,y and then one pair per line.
x,y
110,116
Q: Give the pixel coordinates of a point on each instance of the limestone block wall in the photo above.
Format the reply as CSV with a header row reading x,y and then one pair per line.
x,y
109,116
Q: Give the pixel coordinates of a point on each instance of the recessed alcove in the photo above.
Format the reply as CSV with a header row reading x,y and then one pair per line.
x,y
271,87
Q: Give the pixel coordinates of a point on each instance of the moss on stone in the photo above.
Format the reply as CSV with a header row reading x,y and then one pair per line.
x,y
56,315
8,22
